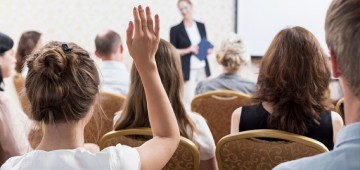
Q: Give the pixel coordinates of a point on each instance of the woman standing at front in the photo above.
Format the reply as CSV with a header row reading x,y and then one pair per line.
x,y
185,37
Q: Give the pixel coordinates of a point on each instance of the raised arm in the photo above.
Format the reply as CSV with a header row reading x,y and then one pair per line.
x,y
143,40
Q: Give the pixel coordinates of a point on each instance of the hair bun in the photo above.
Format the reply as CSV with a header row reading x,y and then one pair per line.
x,y
51,62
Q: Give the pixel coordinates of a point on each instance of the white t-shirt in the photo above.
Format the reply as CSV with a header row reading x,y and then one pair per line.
x,y
119,157
204,139
195,38
115,78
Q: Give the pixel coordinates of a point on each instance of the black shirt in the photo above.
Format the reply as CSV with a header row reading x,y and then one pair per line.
x,y
256,117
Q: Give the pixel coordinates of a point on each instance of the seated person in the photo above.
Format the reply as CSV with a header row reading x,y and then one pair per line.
x,y
233,56
192,125
342,37
29,42
292,92
15,126
114,76
62,86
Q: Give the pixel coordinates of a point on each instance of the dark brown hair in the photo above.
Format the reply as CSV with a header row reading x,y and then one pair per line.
x,y
343,37
27,44
294,79
107,43
61,84
135,113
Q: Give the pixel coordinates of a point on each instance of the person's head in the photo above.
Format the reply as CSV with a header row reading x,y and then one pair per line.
x,y
29,41
185,7
294,78
342,28
135,113
108,46
233,54
7,59
62,84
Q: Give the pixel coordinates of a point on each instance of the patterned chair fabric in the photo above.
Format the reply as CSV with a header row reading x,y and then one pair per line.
x,y
339,108
263,149
186,156
19,83
102,120
217,107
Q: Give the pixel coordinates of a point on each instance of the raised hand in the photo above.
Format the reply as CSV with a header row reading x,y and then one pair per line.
x,y
143,37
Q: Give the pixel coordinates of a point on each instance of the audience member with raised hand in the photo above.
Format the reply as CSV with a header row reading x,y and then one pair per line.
x,y
292,92
193,126
14,124
343,38
62,86
233,56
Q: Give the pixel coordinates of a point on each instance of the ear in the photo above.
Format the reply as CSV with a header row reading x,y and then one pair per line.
x,y
335,69
121,49
97,54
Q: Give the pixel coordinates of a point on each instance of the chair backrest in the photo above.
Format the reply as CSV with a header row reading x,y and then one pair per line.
x,y
217,107
19,83
185,157
263,149
339,108
102,120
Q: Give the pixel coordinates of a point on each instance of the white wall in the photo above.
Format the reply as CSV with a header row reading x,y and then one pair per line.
x,y
260,20
80,20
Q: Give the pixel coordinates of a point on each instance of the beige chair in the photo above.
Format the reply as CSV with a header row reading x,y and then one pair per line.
x,y
339,108
102,120
186,156
217,107
249,150
19,83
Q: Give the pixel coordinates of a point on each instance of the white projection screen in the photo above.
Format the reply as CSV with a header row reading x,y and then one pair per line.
x,y
258,21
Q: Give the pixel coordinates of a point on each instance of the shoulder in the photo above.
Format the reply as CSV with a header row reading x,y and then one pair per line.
x,y
176,27
336,119
200,23
237,113
321,161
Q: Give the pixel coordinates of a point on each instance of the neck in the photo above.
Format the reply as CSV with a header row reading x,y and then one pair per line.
x,y
351,105
188,21
62,136
113,57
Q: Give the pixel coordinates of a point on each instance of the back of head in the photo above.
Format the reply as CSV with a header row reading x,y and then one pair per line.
x,y
294,78
27,44
233,54
343,38
107,42
135,113
62,83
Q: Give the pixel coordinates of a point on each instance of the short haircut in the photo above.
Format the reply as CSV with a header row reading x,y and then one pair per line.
x,y
107,42
343,38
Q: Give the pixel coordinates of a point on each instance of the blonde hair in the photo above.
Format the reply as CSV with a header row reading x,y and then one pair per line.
x,y
343,38
233,54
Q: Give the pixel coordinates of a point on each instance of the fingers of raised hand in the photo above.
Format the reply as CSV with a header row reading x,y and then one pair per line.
x,y
144,24
149,20
129,33
137,20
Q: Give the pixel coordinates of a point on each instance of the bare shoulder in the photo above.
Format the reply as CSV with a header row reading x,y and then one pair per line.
x,y
336,119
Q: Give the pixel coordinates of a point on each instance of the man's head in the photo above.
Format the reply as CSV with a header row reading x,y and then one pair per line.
x,y
343,38
108,45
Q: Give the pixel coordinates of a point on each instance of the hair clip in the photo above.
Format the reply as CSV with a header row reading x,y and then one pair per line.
x,y
66,48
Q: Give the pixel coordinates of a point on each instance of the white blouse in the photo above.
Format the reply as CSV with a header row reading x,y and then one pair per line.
x,y
112,158
203,139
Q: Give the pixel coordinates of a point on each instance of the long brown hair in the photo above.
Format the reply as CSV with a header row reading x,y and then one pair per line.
x,y
135,113
294,78
62,83
27,44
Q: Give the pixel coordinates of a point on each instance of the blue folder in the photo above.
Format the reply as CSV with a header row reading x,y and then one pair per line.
x,y
204,45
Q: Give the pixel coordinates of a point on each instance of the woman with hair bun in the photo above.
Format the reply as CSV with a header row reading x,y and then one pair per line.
x,y
63,86
233,56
